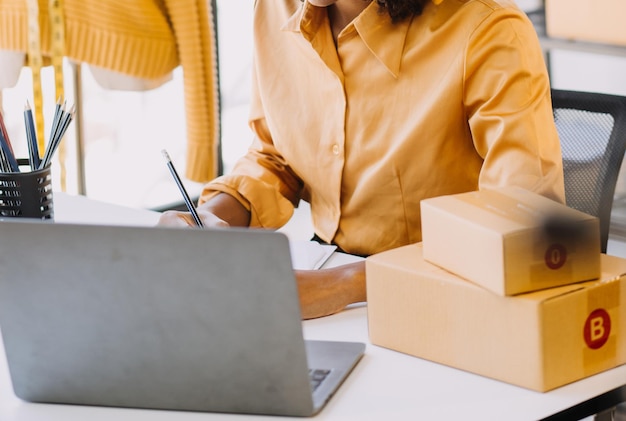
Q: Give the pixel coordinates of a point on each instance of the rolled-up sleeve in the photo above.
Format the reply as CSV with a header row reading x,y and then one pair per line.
x,y
261,180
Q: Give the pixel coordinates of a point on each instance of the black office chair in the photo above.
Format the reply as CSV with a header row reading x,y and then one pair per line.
x,y
592,130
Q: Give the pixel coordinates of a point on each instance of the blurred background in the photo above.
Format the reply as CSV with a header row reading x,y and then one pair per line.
x,y
124,131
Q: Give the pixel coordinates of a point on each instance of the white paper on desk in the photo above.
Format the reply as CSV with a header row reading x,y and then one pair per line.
x,y
309,255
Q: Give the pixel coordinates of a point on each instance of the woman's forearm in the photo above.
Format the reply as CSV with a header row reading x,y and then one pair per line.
x,y
227,208
328,291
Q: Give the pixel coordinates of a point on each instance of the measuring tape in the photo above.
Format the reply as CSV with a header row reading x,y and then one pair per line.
x,y
57,49
35,62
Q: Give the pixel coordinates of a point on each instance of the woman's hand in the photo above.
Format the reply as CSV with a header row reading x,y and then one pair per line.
x,y
182,219
327,291
220,211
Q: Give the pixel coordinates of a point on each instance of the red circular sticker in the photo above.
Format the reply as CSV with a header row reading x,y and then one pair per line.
x,y
555,256
597,328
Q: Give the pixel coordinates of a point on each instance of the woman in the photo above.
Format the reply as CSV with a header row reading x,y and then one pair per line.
x,y
364,108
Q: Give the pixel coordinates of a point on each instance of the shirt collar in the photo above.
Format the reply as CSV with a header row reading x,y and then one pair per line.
x,y
376,34
384,39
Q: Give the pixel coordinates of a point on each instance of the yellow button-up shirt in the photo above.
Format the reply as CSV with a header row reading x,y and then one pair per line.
x,y
453,100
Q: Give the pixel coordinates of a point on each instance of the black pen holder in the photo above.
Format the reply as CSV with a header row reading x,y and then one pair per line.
x,y
26,194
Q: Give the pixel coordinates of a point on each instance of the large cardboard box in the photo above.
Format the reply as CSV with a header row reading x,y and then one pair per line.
x,y
539,341
510,240
587,20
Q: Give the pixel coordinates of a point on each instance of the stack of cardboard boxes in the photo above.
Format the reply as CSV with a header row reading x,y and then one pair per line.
x,y
506,284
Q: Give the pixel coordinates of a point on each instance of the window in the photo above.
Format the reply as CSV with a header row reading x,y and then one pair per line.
x,y
125,131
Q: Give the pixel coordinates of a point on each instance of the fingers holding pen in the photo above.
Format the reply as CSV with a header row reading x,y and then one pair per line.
x,y
182,219
209,219
176,219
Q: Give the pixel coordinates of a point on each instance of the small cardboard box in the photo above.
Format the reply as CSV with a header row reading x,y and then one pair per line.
x,y
540,340
587,20
510,240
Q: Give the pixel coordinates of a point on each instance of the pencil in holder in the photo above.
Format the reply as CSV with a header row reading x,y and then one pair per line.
x,y
26,194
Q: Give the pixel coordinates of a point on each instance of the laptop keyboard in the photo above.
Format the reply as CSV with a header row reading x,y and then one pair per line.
x,y
317,376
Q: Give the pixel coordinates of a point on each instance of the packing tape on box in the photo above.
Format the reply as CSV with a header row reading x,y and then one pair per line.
x,y
601,330
502,205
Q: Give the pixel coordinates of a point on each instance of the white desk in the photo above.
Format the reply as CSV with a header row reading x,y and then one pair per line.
x,y
385,385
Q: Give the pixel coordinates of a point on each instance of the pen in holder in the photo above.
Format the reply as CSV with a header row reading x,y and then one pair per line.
x,y
26,194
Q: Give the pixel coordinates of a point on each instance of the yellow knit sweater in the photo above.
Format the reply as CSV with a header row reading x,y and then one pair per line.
x,y
145,39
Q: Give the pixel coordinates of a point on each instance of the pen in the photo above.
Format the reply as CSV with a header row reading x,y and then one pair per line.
x,y
3,129
31,138
9,163
60,124
188,202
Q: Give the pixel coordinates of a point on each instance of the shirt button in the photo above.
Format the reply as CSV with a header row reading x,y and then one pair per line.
x,y
335,149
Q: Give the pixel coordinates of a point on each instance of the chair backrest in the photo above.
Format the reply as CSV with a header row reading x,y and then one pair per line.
x,y
592,130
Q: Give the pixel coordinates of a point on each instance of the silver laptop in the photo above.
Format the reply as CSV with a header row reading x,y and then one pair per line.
x,y
160,318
